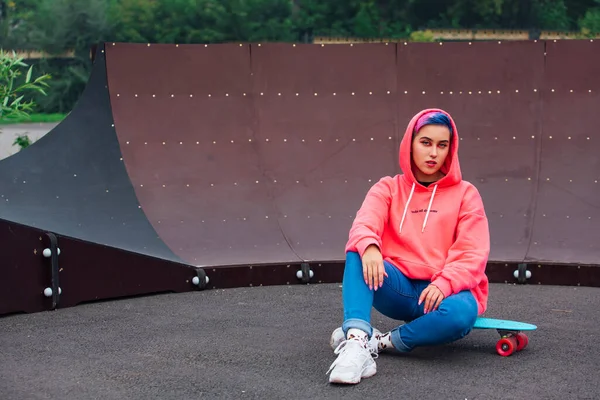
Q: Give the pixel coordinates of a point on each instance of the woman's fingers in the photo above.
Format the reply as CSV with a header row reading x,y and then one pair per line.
x,y
433,298
373,273
370,274
439,300
381,272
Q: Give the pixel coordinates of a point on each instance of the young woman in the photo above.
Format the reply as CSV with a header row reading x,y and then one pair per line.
x,y
417,252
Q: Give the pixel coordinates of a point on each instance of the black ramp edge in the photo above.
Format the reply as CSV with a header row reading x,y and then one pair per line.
x,y
73,181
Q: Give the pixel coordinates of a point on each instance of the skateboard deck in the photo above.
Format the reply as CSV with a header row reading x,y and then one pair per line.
x,y
512,338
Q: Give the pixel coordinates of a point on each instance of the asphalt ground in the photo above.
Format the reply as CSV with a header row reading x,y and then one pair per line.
x,y
272,343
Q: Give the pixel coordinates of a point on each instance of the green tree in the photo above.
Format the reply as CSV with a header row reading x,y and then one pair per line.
x,y
368,21
590,22
14,27
551,14
61,25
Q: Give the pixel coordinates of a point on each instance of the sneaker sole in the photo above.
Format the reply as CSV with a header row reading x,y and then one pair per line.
x,y
352,380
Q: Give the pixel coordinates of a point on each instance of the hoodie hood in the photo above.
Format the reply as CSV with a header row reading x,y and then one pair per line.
x,y
451,167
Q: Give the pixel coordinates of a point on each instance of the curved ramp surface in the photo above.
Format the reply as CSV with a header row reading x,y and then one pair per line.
x,y
73,181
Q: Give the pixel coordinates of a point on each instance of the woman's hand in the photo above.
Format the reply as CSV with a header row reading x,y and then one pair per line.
x,y
373,268
432,297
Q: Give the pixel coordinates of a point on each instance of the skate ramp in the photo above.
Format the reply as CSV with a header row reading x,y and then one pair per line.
x,y
248,160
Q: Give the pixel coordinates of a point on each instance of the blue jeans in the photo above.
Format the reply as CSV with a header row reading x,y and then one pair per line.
x,y
398,299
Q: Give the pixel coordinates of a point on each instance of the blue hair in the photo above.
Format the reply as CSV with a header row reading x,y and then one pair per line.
x,y
435,118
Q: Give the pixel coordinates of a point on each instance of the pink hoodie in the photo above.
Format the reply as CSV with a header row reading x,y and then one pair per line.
x,y
438,233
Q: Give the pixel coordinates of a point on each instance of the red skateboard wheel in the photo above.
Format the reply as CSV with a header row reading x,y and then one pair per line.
x,y
506,346
522,341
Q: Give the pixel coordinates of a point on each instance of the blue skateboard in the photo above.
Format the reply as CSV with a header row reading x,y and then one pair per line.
x,y
512,338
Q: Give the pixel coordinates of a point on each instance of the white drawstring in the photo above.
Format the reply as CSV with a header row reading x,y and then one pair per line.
x,y
429,208
406,206
412,190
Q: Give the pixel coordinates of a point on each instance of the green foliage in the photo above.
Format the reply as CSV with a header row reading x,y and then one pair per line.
x,y
22,141
58,25
422,36
12,93
367,21
61,25
552,14
202,21
590,23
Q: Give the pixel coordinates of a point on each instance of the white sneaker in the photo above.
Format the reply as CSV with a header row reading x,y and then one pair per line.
x,y
354,362
338,337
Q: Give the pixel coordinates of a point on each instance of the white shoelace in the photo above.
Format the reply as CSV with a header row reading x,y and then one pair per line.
x,y
355,357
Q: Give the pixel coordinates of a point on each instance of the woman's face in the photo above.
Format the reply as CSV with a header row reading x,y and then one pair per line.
x,y
430,147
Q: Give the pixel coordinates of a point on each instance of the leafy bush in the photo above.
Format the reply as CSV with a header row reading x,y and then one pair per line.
x,y
12,93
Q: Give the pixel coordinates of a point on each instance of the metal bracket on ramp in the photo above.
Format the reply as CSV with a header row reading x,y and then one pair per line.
x,y
201,279
305,273
53,252
522,273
